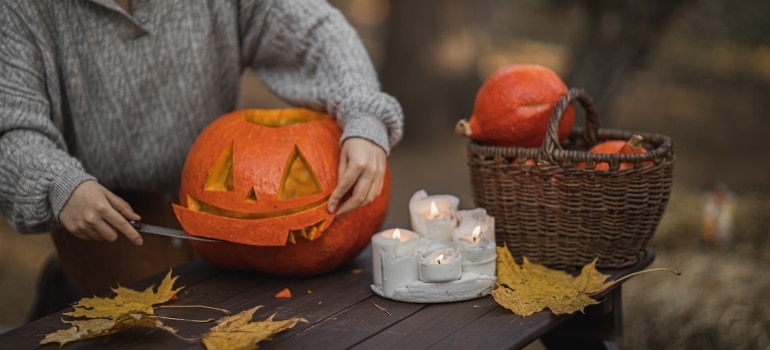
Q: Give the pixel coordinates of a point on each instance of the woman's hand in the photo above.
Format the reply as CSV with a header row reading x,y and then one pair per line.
x,y
363,164
93,212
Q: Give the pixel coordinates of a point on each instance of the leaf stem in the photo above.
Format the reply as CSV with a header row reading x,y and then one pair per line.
x,y
224,311
612,283
184,319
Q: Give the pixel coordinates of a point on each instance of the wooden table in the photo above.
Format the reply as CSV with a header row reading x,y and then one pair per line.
x,y
344,313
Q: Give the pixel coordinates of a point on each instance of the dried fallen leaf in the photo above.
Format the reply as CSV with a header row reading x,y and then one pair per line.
x,y
126,301
283,294
97,327
105,316
529,288
239,332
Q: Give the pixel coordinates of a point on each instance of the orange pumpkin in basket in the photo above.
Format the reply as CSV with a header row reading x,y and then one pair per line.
x,y
514,105
632,146
260,180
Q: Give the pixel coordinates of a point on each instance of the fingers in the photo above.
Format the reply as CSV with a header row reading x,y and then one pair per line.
x,y
91,225
93,212
345,180
120,216
362,168
360,195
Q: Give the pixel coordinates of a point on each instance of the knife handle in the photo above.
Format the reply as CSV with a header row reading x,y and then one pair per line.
x,y
135,224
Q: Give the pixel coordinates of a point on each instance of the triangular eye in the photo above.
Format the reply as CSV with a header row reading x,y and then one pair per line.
x,y
221,174
298,178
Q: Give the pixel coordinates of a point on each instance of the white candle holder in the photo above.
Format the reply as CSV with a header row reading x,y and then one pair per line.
x,y
407,268
397,272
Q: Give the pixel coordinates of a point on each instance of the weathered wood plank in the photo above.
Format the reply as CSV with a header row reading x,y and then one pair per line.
x,y
501,329
353,325
428,326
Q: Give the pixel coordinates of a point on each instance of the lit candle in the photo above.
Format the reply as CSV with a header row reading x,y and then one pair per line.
x,y
470,219
398,242
440,265
479,253
433,216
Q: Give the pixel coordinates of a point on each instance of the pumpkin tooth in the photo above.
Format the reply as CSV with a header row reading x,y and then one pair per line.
x,y
193,204
312,232
303,232
290,238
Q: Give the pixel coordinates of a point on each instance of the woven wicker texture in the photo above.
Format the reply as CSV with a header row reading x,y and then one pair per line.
x,y
563,216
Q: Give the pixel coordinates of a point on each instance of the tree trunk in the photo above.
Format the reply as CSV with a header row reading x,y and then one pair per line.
x,y
617,42
429,65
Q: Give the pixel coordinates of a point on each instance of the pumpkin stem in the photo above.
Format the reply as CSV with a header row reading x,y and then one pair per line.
x,y
462,128
635,142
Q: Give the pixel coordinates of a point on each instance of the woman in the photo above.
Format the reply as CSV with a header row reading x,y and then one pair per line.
x,y
100,101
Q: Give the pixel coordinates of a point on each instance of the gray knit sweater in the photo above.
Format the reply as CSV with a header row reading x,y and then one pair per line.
x,y
88,91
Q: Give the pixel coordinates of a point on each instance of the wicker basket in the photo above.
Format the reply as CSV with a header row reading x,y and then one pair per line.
x,y
564,216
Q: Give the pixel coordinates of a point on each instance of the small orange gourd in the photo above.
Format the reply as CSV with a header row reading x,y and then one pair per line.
x,y
632,146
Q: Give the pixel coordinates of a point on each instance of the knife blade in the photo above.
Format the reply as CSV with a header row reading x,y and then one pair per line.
x,y
166,231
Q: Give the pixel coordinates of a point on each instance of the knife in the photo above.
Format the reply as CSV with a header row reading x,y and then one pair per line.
x,y
166,231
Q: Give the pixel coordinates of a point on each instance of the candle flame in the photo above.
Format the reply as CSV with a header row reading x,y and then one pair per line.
x,y
440,257
476,234
434,213
397,234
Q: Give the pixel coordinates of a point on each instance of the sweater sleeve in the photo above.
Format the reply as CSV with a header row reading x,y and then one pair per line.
x,y
307,53
37,175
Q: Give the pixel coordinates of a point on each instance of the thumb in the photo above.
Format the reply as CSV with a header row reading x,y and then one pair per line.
x,y
342,185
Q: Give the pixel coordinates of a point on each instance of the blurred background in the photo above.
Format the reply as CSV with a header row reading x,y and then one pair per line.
x,y
695,70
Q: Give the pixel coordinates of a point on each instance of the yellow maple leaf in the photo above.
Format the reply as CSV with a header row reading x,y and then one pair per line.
x,y
126,301
529,287
97,327
239,332
129,308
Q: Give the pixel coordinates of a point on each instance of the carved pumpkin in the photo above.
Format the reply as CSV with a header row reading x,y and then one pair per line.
x,y
261,179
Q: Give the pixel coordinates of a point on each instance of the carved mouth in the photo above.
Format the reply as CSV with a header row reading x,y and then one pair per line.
x,y
309,232
198,205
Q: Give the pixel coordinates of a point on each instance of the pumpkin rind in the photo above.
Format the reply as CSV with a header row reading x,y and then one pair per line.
x,y
260,155
260,181
341,242
631,146
514,105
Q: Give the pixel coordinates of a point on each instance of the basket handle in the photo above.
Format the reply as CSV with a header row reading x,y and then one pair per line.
x,y
551,139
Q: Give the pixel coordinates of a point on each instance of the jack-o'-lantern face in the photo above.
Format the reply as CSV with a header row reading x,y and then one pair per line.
x,y
261,177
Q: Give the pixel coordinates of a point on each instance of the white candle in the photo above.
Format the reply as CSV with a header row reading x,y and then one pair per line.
x,y
440,265
433,216
399,242
470,219
479,254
